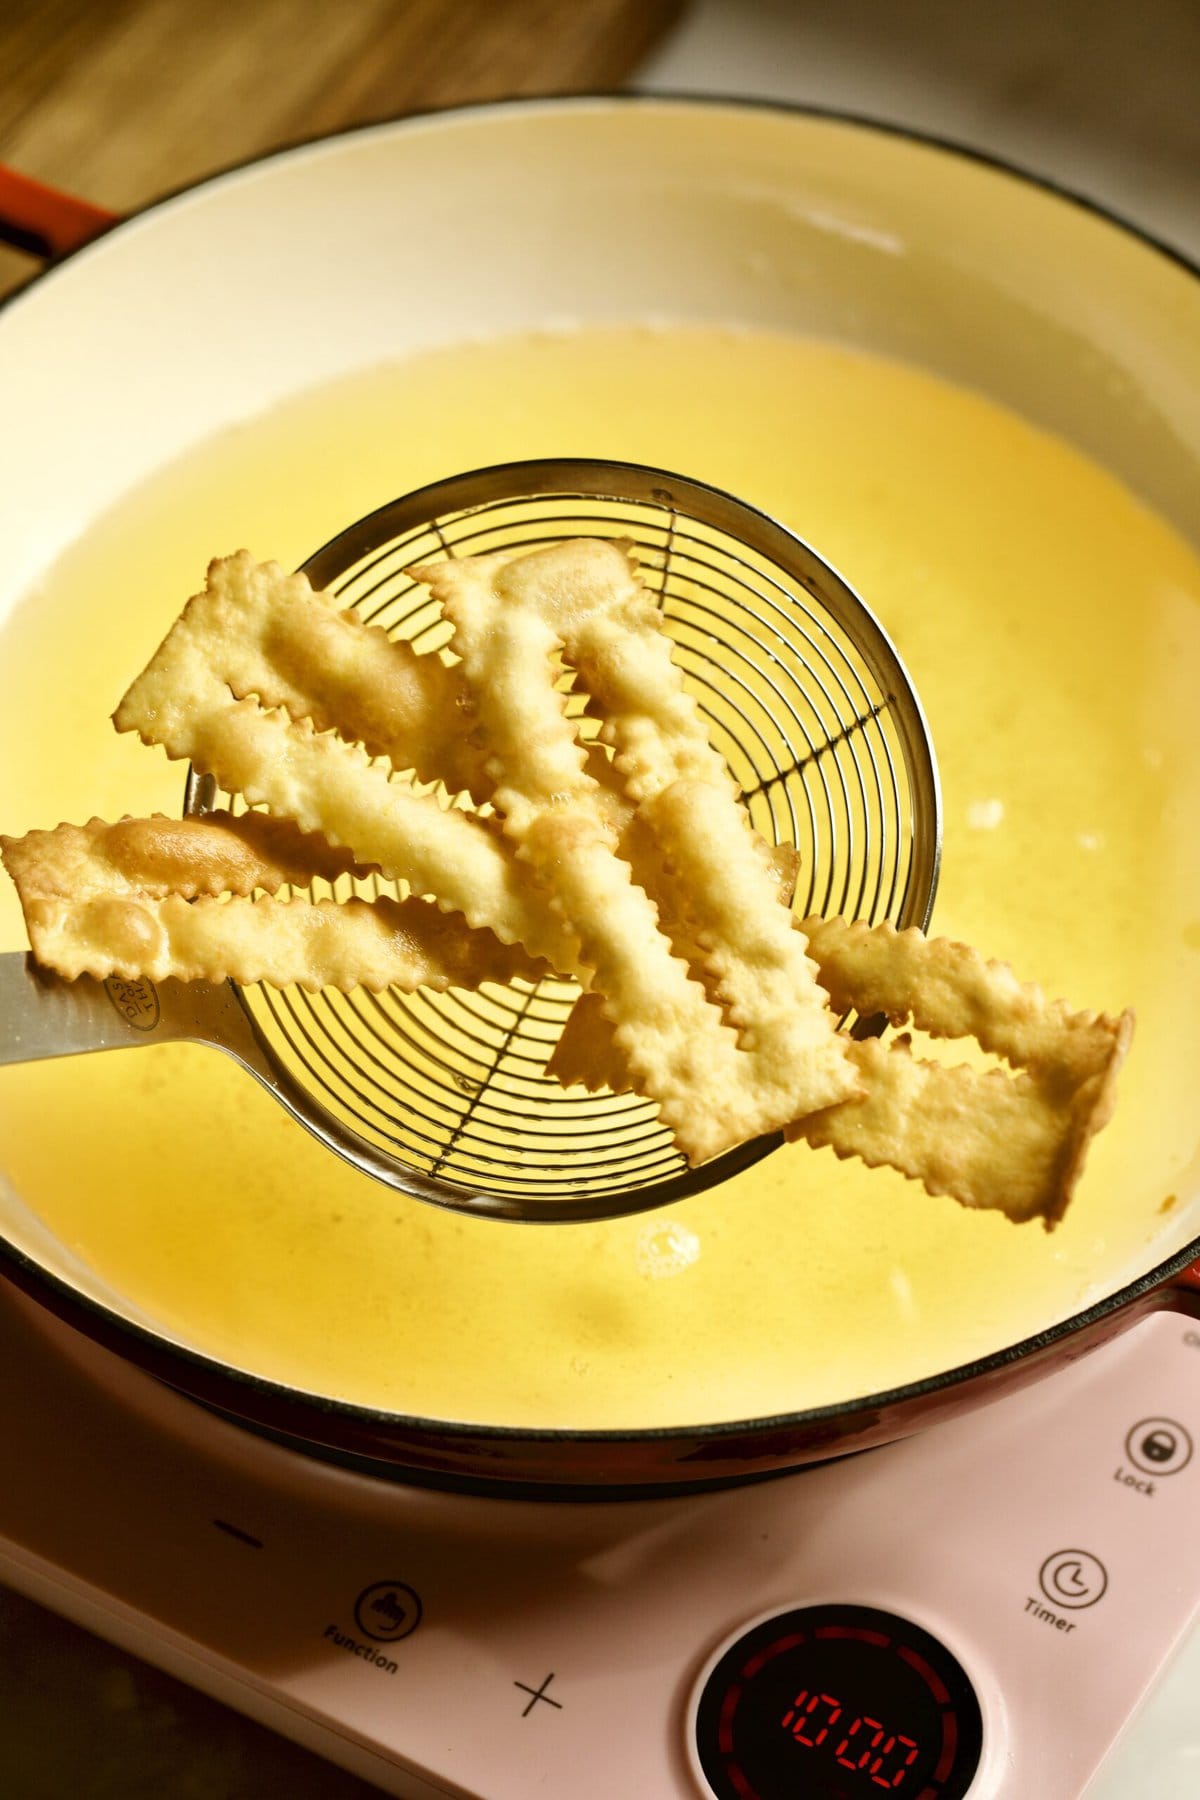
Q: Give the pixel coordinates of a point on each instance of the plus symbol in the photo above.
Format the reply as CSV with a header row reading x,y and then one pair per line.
x,y
538,1694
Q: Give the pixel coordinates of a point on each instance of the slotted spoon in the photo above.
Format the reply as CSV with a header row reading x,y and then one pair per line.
x,y
445,1096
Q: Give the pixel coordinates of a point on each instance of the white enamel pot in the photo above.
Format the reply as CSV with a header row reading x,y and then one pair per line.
x,y
157,331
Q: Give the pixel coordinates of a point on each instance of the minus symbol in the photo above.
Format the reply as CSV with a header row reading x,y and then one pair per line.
x,y
235,1531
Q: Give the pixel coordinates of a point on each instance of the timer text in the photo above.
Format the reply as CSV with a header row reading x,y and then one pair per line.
x,y
885,1757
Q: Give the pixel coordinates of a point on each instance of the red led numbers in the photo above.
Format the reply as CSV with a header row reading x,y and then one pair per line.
x,y
869,1762
803,1719
799,1716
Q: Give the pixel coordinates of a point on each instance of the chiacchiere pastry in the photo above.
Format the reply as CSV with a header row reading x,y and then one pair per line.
x,y
768,1050
166,897
1015,1144
628,862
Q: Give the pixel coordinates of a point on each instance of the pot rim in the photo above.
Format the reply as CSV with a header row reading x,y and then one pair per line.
x,y
35,1275
569,102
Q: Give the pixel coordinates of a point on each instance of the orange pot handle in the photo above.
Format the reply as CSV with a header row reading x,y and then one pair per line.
x,y
1182,1293
44,221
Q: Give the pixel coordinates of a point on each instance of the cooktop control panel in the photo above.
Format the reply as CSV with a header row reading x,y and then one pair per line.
x,y
973,1614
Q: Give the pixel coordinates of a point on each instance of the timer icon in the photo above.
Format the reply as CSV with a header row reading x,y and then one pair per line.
x,y
1073,1579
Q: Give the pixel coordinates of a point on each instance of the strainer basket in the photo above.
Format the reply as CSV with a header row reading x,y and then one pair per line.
x,y
807,700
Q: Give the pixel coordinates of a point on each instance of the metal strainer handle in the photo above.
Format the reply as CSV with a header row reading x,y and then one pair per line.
x,y
445,1097
42,1017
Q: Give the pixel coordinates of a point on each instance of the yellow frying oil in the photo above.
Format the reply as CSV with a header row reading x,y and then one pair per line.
x,y
1052,628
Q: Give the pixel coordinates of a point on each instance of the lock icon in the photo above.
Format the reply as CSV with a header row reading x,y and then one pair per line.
x,y
1159,1446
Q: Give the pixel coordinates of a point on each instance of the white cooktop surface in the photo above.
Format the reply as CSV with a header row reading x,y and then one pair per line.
x,y
492,1649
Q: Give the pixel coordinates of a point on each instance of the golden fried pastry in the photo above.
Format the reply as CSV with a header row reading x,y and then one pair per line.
x,y
329,786
1012,1143
264,632
712,1090
141,898
627,861
405,944
511,618
219,853
989,1140
949,991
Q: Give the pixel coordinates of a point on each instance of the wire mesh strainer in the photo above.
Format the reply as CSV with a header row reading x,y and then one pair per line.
x,y
445,1096
813,711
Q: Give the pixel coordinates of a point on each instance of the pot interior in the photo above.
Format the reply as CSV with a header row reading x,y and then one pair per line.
x,y
978,400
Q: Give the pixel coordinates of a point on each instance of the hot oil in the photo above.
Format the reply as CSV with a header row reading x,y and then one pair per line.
x,y
1052,629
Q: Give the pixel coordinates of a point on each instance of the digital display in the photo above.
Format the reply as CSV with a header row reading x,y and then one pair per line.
x,y
838,1703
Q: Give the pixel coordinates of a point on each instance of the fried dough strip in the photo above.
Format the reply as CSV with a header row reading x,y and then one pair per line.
x,y
950,991
721,887
218,854
711,1093
989,1140
1010,1143
587,597
674,1039
268,633
316,943
640,848
334,788
717,887
585,1054
724,896
944,988
953,1129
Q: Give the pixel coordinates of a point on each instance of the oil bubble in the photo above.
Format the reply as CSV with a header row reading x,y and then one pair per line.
x,y
666,1250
